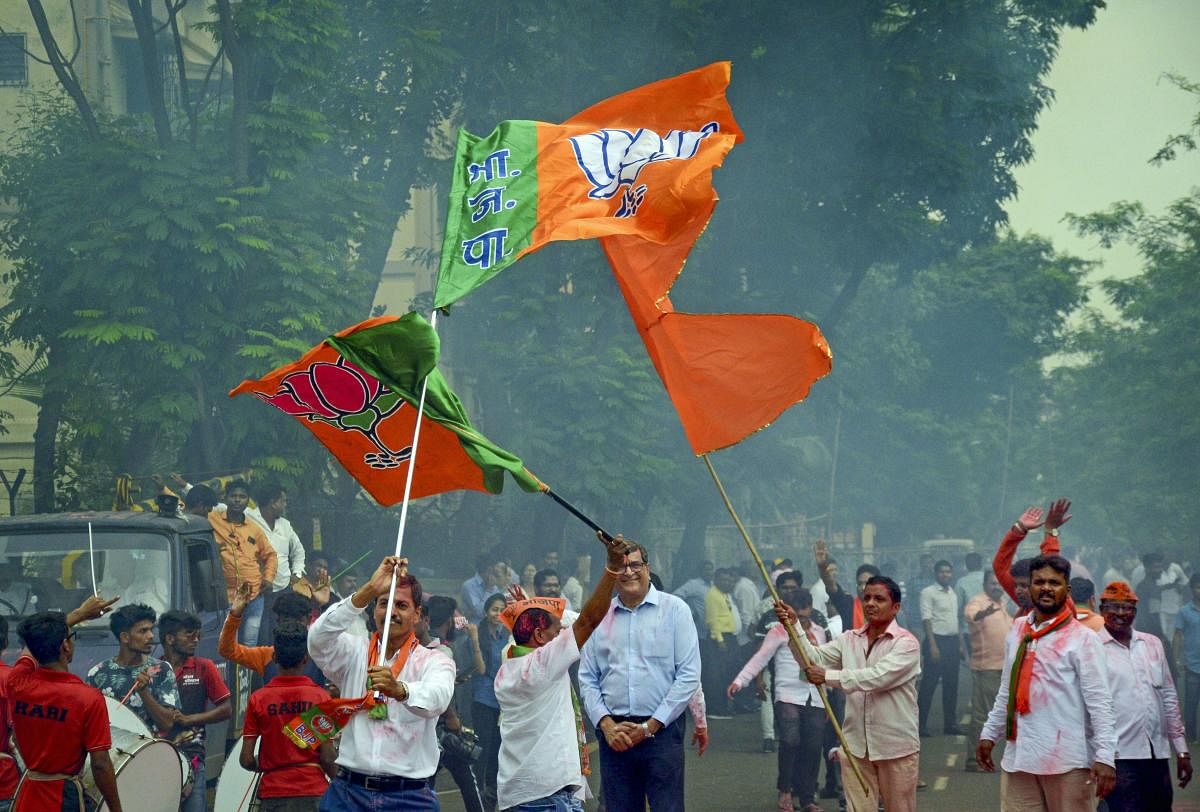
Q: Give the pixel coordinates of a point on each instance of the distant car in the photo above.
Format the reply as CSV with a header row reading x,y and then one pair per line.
x,y
164,562
950,549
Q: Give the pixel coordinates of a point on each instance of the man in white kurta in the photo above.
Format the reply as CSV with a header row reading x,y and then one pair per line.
x,y
542,750
384,762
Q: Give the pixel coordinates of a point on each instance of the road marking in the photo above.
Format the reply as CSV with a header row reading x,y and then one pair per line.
x,y
951,760
940,783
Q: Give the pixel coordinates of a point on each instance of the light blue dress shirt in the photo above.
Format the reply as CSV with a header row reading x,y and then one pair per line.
x,y
641,662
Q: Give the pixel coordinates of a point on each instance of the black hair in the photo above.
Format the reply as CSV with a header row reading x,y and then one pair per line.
x,y
785,562
1055,562
1082,590
531,620
291,643
1194,580
492,599
234,484
200,495
871,568
788,575
942,563
802,600
655,581
1020,568
893,588
973,561
267,492
1153,557
176,621
540,577
129,616
291,605
439,609
3,632
43,634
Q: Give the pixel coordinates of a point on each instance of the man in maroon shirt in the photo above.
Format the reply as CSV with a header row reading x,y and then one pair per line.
x,y
57,718
198,683
293,779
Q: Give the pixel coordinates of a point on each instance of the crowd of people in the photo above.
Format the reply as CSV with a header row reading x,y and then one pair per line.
x,y
364,691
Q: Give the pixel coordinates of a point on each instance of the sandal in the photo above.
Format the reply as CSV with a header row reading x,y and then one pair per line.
x,y
785,805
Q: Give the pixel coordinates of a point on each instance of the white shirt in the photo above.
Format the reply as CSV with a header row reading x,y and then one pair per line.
x,y
405,744
1147,707
289,552
745,601
790,684
572,590
880,686
539,739
939,604
820,597
1070,721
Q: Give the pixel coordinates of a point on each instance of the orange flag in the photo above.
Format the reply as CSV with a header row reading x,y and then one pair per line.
x,y
634,171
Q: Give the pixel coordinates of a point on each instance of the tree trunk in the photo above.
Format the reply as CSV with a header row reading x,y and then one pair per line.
x,y
45,437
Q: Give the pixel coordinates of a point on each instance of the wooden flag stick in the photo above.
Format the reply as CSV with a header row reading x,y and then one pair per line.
x,y
791,629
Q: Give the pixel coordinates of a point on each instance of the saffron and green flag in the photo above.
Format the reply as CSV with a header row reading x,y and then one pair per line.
x,y
358,392
634,171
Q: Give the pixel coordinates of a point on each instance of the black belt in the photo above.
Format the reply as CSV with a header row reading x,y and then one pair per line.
x,y
635,719
381,783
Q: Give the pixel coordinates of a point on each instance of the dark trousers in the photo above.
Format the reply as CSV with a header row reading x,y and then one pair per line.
x,y
487,728
1143,785
945,670
716,672
463,773
653,771
1191,702
829,740
799,729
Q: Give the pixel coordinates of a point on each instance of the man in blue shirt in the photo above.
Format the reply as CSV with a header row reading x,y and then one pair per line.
x,y
1187,657
636,674
478,588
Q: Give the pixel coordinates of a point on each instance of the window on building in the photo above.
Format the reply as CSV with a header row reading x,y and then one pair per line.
x,y
14,67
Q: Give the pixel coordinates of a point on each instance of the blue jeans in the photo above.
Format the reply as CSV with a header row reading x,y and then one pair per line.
x,y
251,620
198,800
651,771
342,795
562,801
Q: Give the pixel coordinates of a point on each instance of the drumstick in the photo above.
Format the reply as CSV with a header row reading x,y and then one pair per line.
x,y
92,559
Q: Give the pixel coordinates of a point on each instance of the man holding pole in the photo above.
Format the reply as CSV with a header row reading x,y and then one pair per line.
x,y
389,748
637,673
877,666
543,753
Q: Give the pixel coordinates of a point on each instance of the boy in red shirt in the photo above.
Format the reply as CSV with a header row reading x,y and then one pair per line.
x,y
57,718
293,779
9,775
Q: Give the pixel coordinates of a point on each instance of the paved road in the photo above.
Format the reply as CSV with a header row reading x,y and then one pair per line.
x,y
735,775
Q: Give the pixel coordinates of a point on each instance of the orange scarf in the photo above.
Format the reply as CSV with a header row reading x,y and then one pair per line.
x,y
1021,675
859,619
323,721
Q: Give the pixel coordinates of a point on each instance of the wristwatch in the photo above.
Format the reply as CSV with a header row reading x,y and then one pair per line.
x,y
646,727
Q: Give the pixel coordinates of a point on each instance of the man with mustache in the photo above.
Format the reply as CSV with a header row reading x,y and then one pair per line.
x,y
1146,707
877,665
1054,707
389,748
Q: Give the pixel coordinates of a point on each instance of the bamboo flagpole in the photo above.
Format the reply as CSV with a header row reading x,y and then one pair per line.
x,y
797,647
412,466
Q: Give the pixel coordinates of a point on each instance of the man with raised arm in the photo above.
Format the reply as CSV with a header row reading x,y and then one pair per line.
x,y
389,748
877,665
543,753
1015,586
1054,707
637,673
57,718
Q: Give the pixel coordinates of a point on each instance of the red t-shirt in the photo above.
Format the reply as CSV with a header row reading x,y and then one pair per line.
x,y
287,770
199,683
9,776
57,719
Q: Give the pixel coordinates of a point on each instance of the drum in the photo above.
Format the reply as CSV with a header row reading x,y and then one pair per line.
x,y
122,717
149,774
237,789
189,775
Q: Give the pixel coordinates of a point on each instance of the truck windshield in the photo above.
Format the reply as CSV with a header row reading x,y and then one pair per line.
x,y
42,571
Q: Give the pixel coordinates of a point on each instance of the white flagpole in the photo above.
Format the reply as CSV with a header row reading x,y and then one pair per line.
x,y
92,559
412,465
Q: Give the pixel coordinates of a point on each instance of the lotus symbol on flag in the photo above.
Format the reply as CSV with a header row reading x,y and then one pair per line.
x,y
611,159
344,396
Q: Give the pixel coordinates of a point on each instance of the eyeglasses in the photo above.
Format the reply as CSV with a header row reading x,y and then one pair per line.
x,y
633,566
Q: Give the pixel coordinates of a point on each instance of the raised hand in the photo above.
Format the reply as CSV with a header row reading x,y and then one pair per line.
x,y
92,608
1058,515
1031,518
618,547
241,599
821,554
